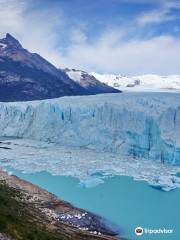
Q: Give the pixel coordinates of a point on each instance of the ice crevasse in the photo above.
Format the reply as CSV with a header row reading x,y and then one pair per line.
x,y
140,125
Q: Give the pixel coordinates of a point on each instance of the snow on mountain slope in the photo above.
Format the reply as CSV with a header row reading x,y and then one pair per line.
x,y
2,45
89,82
140,83
75,75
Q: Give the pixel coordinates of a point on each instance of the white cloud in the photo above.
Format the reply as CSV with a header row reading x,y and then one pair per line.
x,y
40,31
35,28
78,36
157,55
10,15
154,17
161,14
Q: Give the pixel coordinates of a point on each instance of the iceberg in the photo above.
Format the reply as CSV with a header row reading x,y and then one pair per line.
x,y
89,166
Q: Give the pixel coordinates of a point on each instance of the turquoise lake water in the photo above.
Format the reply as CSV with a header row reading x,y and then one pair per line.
x,y
122,200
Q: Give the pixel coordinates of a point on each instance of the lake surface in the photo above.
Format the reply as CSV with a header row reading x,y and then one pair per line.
x,y
125,202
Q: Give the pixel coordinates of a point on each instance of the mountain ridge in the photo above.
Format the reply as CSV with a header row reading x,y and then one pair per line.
x,y
88,81
26,76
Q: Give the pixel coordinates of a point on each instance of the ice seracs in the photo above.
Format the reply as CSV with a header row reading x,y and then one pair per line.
x,y
104,129
132,124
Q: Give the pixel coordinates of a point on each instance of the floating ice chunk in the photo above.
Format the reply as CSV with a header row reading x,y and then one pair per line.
x,y
167,183
92,182
90,167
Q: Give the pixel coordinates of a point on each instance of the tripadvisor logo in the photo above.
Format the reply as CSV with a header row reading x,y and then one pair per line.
x,y
139,231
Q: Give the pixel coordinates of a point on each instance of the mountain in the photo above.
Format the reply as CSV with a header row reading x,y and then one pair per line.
x,y
27,76
149,82
89,82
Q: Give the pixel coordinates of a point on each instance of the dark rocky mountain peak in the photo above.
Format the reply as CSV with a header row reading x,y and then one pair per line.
x,y
10,41
26,76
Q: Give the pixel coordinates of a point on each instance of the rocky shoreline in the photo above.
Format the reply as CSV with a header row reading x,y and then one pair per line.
x,y
57,215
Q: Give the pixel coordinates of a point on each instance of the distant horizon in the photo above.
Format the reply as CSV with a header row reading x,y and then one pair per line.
x,y
124,37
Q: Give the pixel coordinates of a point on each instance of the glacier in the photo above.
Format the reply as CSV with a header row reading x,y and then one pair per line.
x,y
132,124
110,133
148,82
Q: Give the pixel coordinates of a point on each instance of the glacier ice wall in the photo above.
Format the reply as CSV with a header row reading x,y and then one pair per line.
x,y
142,125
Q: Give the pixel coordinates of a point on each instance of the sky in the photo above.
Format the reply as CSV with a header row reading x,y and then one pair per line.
x,y
128,37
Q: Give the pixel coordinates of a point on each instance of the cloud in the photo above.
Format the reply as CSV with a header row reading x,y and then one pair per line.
x,y
154,17
149,2
10,15
115,51
47,31
162,14
157,55
44,30
36,28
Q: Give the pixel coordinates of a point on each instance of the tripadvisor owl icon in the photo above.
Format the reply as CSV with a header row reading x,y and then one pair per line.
x,y
139,231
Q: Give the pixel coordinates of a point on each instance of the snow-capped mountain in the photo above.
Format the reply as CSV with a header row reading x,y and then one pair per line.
x,y
147,82
27,76
89,82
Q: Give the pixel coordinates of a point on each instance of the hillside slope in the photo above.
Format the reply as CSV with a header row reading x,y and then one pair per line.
x,y
27,76
28,212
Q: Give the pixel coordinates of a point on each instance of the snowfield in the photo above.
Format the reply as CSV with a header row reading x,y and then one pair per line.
x,y
133,134
149,82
